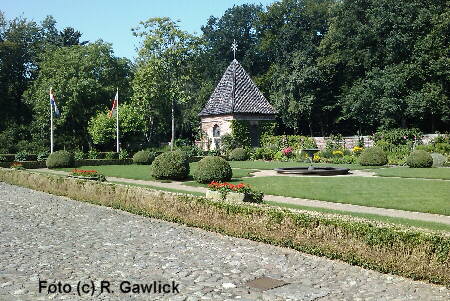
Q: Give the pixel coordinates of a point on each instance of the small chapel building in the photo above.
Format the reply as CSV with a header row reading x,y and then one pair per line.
x,y
236,97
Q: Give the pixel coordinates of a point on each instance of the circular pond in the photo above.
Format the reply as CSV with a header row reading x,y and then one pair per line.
x,y
316,171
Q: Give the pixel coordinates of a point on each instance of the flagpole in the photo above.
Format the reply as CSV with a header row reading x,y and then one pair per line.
x,y
117,121
51,124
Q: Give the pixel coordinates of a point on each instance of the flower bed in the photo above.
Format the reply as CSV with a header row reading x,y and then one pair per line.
x,y
232,192
17,165
87,175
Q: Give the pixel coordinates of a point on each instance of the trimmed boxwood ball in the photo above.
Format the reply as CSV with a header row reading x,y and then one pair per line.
x,y
212,168
170,165
419,159
238,154
373,156
144,157
60,159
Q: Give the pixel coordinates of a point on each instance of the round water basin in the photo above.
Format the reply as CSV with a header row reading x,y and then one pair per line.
x,y
315,171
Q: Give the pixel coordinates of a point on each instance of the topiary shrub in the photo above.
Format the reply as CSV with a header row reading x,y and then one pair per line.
x,y
212,168
238,154
144,157
419,159
59,159
170,165
373,156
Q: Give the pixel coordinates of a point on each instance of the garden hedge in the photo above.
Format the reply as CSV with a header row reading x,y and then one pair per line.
x,y
77,163
387,248
26,164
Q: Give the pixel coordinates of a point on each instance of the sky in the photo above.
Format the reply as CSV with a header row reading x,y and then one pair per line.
x,y
112,20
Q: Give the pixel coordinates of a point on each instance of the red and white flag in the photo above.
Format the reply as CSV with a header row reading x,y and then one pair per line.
x,y
114,105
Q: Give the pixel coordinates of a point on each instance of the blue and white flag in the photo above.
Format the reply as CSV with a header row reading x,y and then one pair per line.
x,y
53,104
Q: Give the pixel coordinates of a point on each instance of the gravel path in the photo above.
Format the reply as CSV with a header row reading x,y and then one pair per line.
x,y
55,239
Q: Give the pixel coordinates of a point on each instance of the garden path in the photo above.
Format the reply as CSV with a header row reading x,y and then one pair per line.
x,y
421,216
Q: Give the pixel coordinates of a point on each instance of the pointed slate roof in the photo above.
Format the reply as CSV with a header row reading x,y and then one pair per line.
x,y
237,93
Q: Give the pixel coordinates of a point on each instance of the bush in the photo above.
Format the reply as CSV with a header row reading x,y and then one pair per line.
x,y
111,155
59,159
373,156
345,159
264,153
93,154
238,154
438,159
441,148
398,136
42,156
281,142
79,155
228,143
419,159
191,151
123,154
170,165
212,169
144,157
21,156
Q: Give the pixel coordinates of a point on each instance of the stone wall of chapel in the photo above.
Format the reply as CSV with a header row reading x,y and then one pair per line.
x,y
207,125
224,123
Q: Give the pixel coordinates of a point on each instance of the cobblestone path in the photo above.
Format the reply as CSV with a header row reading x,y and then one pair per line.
x,y
50,238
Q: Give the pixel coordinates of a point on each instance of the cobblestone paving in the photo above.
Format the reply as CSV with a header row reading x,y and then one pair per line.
x,y
45,237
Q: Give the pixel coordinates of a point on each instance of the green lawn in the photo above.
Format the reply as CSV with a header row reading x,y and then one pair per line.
x,y
421,195
406,172
398,193
374,217
404,194
275,164
142,172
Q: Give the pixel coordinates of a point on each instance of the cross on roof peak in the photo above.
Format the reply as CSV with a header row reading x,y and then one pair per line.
x,y
234,48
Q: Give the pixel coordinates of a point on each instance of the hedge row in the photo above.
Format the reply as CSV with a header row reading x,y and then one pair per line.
x,y
96,162
78,163
25,164
386,248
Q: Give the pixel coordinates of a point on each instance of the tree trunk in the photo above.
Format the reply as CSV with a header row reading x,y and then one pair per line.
x,y
433,124
172,141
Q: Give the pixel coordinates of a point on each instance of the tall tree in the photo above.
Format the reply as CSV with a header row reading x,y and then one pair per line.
x,y
375,55
291,31
237,23
84,80
163,72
